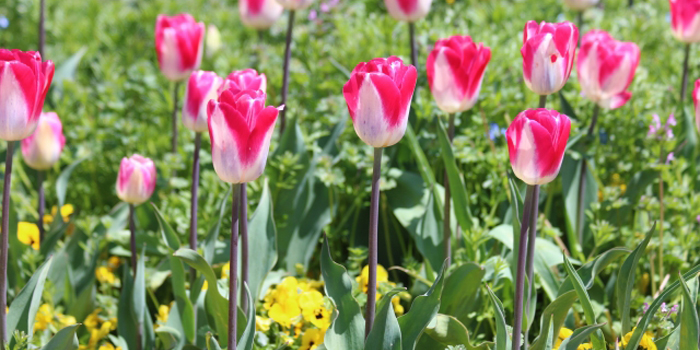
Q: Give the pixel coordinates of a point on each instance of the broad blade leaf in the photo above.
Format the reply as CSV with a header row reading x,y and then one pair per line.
x,y
625,281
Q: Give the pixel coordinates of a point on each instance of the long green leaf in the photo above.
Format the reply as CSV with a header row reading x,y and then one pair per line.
x,y
169,337
502,338
459,190
447,330
590,270
25,306
690,325
598,341
386,332
62,182
461,287
625,281
263,243
555,314
422,311
65,339
245,341
424,167
579,336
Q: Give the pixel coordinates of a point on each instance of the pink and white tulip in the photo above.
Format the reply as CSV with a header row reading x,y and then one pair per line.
x,y
685,20
201,88
537,140
408,10
379,95
24,82
179,45
696,102
295,4
548,55
580,5
136,180
247,79
606,68
455,71
259,14
42,149
240,128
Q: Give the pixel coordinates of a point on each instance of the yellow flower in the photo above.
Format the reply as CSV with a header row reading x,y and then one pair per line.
x,y
109,346
450,2
282,302
44,317
225,270
104,275
585,346
66,211
93,320
98,334
66,320
163,312
398,308
28,233
113,263
563,334
314,310
311,339
647,342
363,278
205,286
262,324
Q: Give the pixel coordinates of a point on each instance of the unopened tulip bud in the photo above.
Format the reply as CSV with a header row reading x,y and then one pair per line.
x,y
136,180
179,45
259,14
408,10
42,149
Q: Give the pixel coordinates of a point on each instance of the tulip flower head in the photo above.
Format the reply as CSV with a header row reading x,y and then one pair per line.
x,y
24,82
136,180
537,140
455,70
179,45
240,128
379,95
548,55
247,79
685,20
201,88
408,10
295,4
42,149
696,102
606,68
580,5
259,14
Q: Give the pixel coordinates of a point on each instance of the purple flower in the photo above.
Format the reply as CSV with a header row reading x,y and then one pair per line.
x,y
697,218
655,125
646,307
313,15
670,158
325,7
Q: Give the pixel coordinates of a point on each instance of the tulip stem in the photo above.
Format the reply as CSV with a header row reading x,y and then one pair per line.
x,y
531,240
173,140
194,200
42,31
684,81
233,271
285,76
373,223
132,239
447,230
523,260
4,237
414,50
40,223
543,101
661,226
244,243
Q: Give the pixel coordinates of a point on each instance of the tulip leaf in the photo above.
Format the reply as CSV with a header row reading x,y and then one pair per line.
x,y
457,187
386,332
689,323
590,270
62,182
348,326
212,344
579,336
554,314
461,287
422,311
169,235
424,167
24,307
65,339
503,341
571,180
245,341
589,313
446,330
169,337
625,281
263,243
126,318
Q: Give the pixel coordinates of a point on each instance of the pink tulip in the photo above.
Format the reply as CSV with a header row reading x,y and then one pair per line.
x,y
606,68
580,5
240,128
408,10
696,102
24,82
42,149
379,95
259,14
295,4
137,179
548,55
455,70
179,45
201,88
247,79
536,143
685,20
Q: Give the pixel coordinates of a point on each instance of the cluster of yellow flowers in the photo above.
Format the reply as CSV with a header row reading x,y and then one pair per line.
x,y
99,327
66,211
382,278
647,342
28,232
105,274
162,316
46,316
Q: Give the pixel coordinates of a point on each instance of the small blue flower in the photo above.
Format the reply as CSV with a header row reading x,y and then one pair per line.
x,y
495,131
4,22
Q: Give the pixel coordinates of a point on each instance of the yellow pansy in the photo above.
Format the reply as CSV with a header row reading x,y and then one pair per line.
x,y
28,233
282,302
647,342
225,270
92,320
104,275
113,263
563,334
66,320
44,317
66,211
109,346
262,324
311,339
363,278
313,309
98,334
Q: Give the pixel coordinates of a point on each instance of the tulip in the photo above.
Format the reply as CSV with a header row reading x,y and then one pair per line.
x,y
685,20
213,41
408,10
24,82
42,149
294,5
696,101
247,79
179,44
201,88
379,95
548,55
580,5
606,68
137,179
455,70
260,14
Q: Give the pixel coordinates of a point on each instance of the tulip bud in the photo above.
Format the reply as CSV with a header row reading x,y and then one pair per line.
x,y
240,128
685,20
548,55
213,40
201,88
606,68
295,4
42,149
247,79
24,82
580,5
696,100
537,140
379,95
408,10
179,44
259,14
137,179
455,70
